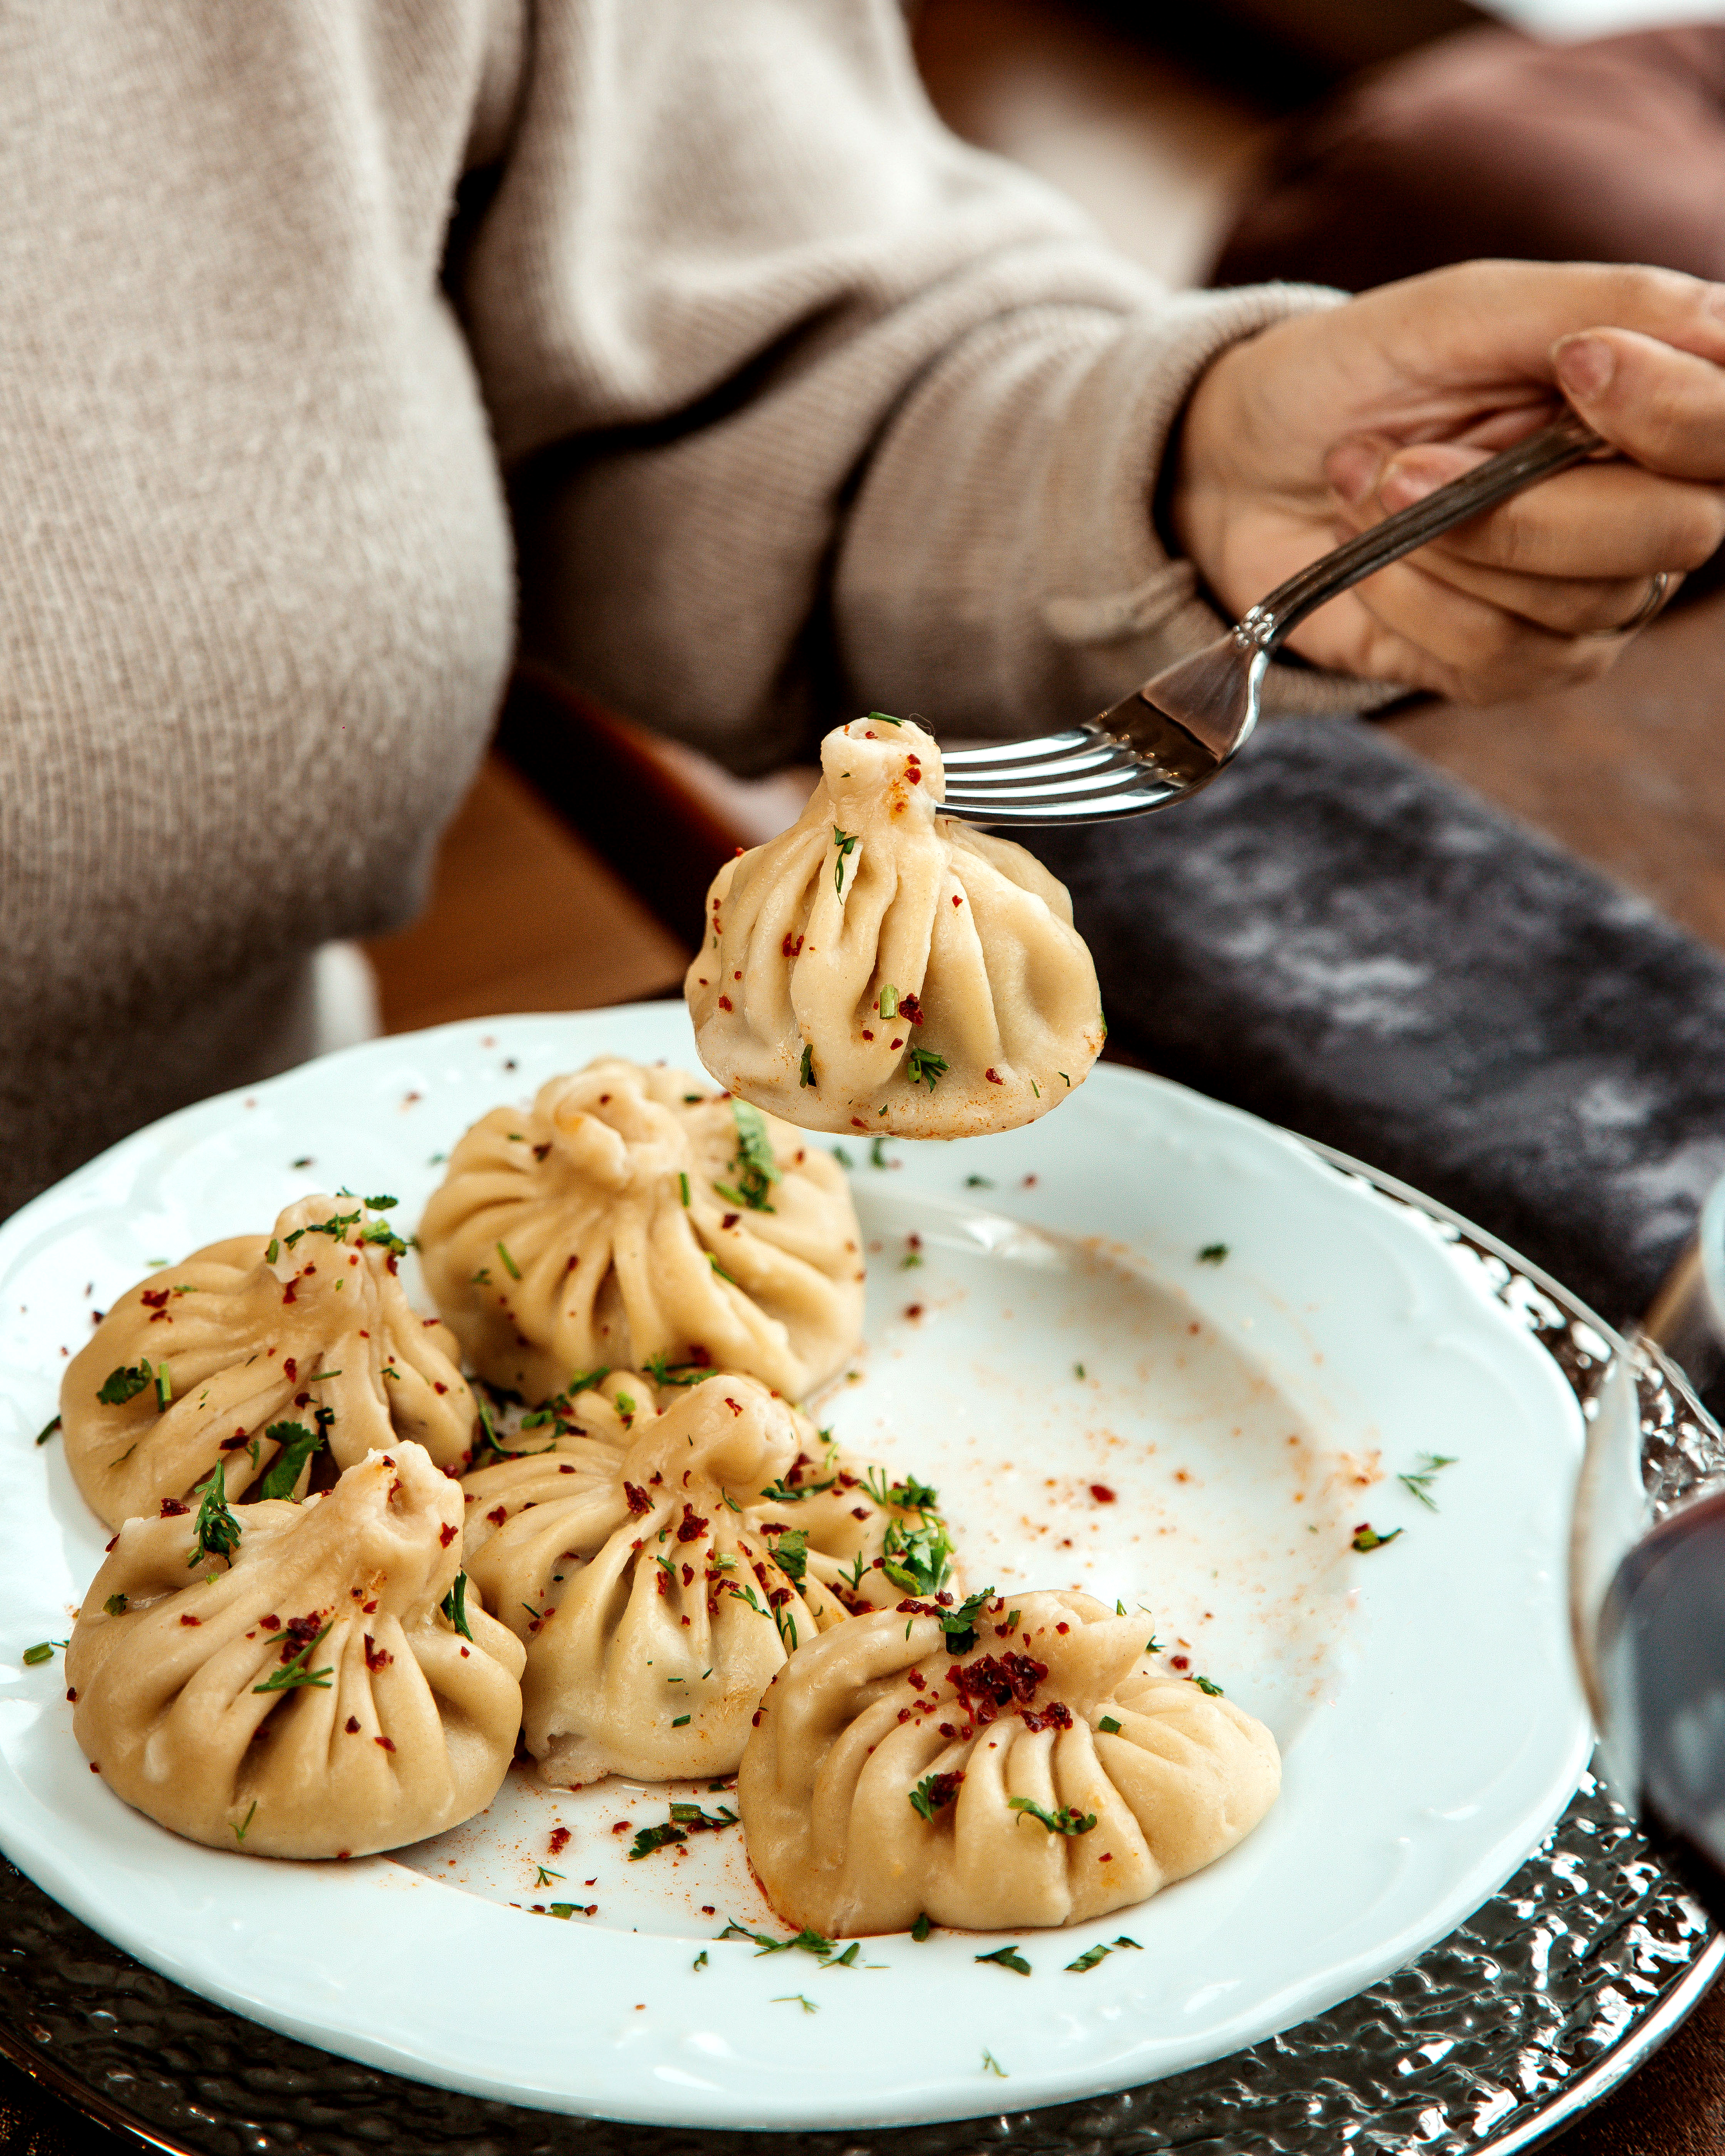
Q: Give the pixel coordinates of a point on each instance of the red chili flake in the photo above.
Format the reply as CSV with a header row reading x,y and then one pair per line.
x,y
688,1575
948,1730
729,1220
860,1512
1102,1494
957,901
1107,1857
290,1293
447,1534
914,776
867,1035
904,1714
992,1682
188,1619
1054,1716
367,1607
725,1003
154,1298
233,1443
898,1041
792,944
993,1076
639,1500
621,1827
1030,1183
858,1124
270,1624
352,1725
910,1008
560,1842
1180,1661
72,1695
755,1719
917,1681
377,1658
707,1908
439,1386
291,1367
735,1406
94,1768
913,1310
301,1631
693,1527
171,1509
388,1742
497,1515
110,1544
1063,1627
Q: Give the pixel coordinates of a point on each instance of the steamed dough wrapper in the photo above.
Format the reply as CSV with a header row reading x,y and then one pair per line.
x,y
631,1216
866,1718
661,1568
307,1330
314,1698
880,967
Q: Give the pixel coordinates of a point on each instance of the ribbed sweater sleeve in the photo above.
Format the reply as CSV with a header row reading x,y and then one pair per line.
x,y
807,406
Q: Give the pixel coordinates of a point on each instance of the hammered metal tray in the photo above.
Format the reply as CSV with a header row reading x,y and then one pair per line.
x,y
1492,2041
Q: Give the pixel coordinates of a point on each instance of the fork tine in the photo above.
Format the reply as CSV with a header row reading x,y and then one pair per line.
x,y
1021,752
1104,756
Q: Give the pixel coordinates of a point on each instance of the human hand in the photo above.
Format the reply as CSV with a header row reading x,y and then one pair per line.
x,y
1325,424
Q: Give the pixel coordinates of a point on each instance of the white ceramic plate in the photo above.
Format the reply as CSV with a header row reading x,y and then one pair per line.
x,y
1102,1408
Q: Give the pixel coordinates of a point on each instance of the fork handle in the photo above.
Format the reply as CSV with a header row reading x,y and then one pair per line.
x,y
1567,441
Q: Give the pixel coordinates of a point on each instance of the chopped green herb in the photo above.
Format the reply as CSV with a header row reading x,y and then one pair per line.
x,y
933,1793
909,1261
297,1672
793,1493
719,1269
991,2065
454,1606
806,1075
125,1383
336,1226
663,1373
272,1251
920,1929
482,1278
886,718
1213,1254
164,1388
543,1878
683,1182
1078,1369
1108,1725
700,1960
877,1151
959,1624
848,1959
691,1815
920,1560
380,1233
382,1205
215,1531
796,1998
1203,1684
887,1001
790,1553
755,1168
1068,1820
1418,1481
239,1830
116,1605
845,842
1006,1958
921,1063
43,1651
842,1158
509,1266
649,1838
681,1722
45,1435
1088,1960
805,1941
297,1445
980,1183
1367,1537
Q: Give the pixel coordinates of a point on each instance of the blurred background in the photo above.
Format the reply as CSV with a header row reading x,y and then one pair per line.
x,y
1345,142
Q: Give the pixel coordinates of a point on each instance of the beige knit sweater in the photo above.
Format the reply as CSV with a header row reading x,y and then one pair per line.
x,y
806,407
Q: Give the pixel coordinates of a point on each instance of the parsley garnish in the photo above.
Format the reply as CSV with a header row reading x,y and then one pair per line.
x,y
919,1560
805,1075
43,1651
842,1158
909,1495
933,1793
1099,1953
116,1605
295,1672
1068,1820
509,1266
239,1830
380,1232
125,1383
297,1444
700,1960
845,842
692,1816
649,1838
1007,1957
683,1182
805,1941
1203,1684
960,1624
542,1877
793,1493
1418,1481
877,1152
755,1168
1367,1537
886,718
49,1431
272,1251
923,1063
1213,1254
991,2065
790,1553
216,1532
980,1183
888,1001
1108,1725
796,1998
382,1205
336,1226
454,1606
663,1373
920,1929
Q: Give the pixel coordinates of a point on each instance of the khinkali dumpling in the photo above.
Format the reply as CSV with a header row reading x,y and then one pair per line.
x,y
299,1680
879,966
255,1352
660,1567
1046,1772
632,1217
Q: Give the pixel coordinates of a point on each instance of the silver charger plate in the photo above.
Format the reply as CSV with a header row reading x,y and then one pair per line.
x,y
1492,2041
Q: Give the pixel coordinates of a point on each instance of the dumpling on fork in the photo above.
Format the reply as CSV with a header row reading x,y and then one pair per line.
x,y
880,967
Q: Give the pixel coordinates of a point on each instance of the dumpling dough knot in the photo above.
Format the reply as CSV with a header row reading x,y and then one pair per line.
x,y
871,769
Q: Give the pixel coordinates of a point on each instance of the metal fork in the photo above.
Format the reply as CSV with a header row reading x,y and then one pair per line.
x,y
1167,739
